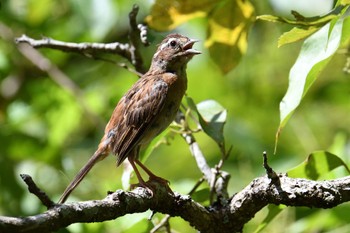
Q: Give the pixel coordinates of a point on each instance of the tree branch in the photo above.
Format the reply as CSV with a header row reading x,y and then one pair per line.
x,y
288,191
217,179
227,218
137,34
81,48
34,189
130,51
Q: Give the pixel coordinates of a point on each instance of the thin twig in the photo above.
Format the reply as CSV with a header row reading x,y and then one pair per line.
x,y
130,51
269,171
33,188
143,34
85,48
199,182
162,223
135,39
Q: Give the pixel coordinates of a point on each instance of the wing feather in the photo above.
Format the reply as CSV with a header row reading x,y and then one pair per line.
x,y
135,113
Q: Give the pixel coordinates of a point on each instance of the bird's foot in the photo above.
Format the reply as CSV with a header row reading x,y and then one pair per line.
x,y
152,183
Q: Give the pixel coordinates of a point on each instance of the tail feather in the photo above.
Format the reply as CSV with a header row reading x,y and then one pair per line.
x,y
98,155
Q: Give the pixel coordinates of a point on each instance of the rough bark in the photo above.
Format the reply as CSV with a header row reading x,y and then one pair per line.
x,y
230,217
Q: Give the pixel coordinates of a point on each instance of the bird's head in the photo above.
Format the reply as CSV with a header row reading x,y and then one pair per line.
x,y
174,52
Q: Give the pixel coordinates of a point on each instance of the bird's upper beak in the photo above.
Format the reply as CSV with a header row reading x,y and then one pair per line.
x,y
188,47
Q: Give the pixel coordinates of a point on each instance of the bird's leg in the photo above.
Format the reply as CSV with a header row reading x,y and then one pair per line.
x,y
150,174
141,183
153,177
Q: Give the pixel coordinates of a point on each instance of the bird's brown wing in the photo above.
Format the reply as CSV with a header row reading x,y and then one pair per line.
x,y
134,114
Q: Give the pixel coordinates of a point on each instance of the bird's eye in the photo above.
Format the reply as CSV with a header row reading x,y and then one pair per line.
x,y
173,43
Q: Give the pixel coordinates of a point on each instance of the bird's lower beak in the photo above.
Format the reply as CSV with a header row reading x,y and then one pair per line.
x,y
188,47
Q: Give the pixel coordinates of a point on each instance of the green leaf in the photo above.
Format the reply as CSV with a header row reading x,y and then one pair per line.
x,y
314,55
201,196
167,15
274,210
162,138
316,165
228,27
295,34
142,225
212,118
302,21
272,18
344,2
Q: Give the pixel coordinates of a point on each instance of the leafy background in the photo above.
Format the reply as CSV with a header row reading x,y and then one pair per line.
x,y
46,132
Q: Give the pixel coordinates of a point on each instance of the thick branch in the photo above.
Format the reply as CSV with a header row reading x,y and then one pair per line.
x,y
288,191
228,218
113,206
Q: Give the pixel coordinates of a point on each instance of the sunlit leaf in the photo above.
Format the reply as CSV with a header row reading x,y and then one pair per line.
x,y
228,25
344,2
303,21
305,26
274,210
295,34
316,165
167,14
343,10
212,117
228,29
314,55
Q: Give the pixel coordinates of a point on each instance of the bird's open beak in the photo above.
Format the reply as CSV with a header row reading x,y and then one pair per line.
x,y
188,47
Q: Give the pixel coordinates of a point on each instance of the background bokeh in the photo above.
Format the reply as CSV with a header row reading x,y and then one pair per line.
x,y
49,130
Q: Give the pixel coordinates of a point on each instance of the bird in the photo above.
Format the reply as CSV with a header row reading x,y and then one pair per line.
x,y
145,110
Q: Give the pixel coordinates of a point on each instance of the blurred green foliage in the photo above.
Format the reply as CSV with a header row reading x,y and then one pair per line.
x,y
46,132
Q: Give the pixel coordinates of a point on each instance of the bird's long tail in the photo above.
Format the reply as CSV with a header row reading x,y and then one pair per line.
x,y
98,155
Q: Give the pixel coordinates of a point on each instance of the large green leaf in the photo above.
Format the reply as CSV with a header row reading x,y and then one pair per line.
x,y
228,27
314,55
212,118
168,14
201,196
316,165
